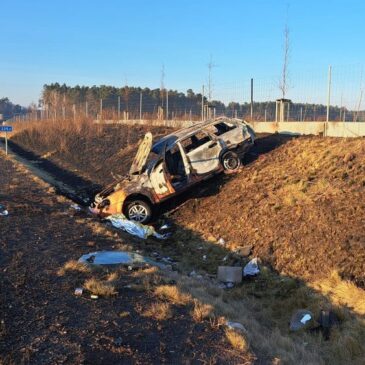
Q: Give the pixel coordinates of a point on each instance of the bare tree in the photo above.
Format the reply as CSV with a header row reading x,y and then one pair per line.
x,y
210,84
283,84
162,87
126,93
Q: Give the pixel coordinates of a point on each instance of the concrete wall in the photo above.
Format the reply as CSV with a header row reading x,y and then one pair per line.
x,y
299,128
348,129
330,129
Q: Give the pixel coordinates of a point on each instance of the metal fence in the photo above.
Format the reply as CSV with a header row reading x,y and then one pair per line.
x,y
329,94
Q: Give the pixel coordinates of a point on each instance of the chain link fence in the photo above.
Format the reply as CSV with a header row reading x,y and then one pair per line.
x,y
335,94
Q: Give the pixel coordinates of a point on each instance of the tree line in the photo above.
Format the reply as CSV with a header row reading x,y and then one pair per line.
x,y
57,97
8,109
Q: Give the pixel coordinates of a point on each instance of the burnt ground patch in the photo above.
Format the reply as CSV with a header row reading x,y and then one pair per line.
x,y
42,321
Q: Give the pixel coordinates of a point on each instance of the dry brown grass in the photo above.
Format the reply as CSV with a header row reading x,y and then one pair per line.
x,y
100,287
173,294
201,311
159,310
74,266
342,293
237,340
266,314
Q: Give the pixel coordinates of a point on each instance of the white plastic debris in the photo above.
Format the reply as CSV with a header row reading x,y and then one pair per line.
x,y
301,319
252,268
75,206
78,292
307,317
3,211
236,326
134,228
221,241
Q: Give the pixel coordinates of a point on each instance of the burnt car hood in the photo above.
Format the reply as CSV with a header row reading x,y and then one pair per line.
x,y
140,160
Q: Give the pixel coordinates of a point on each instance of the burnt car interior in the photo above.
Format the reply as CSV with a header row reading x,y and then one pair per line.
x,y
223,128
175,167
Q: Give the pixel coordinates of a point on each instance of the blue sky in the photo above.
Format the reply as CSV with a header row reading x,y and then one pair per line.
x,y
114,42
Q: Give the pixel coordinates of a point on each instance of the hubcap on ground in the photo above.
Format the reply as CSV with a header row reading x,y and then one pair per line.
x,y
137,213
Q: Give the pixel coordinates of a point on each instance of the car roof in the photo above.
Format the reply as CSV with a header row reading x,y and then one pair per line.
x,y
170,139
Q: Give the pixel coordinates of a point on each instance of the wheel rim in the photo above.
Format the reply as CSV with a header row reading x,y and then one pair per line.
x,y
230,163
138,213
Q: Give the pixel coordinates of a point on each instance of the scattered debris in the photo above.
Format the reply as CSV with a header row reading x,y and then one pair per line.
x,y
93,296
194,274
165,227
137,229
230,274
204,257
236,326
75,206
302,318
118,341
244,250
221,241
252,268
229,285
79,291
116,258
327,319
3,211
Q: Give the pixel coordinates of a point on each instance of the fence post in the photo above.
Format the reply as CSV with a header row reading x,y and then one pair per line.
x,y
251,98
74,111
203,104
101,109
329,92
86,109
140,106
167,105
118,107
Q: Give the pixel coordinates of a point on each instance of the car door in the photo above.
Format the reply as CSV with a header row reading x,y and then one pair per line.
x,y
160,182
202,152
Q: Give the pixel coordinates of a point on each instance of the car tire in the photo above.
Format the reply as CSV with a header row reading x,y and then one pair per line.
x,y
231,161
139,211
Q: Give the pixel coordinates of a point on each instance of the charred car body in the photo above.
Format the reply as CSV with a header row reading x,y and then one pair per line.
x,y
173,164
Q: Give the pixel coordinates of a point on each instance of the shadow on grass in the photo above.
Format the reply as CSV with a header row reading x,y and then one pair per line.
x,y
66,183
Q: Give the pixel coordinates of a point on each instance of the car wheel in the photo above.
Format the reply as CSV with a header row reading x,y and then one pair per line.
x,y
231,161
139,211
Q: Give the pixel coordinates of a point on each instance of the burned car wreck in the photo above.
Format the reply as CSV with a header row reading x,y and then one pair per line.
x,y
174,164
